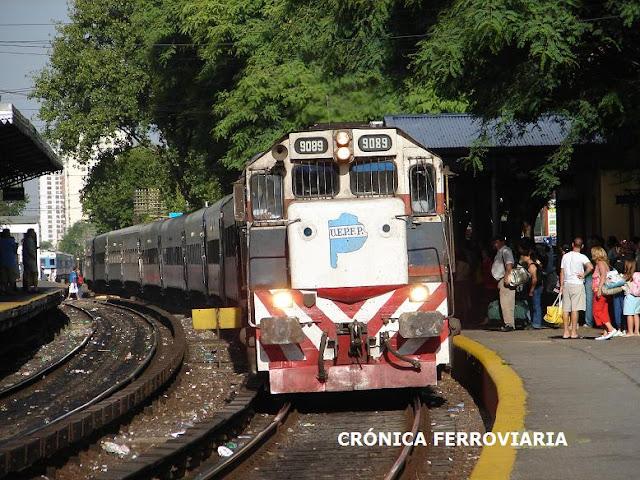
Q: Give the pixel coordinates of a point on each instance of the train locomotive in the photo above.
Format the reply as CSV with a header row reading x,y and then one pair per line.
x,y
335,248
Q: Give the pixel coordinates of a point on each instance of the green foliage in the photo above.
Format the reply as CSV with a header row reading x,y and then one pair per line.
x,y
108,195
99,85
74,240
523,59
12,208
221,80
46,245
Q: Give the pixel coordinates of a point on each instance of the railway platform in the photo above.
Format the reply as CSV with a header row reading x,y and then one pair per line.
x,y
584,388
21,307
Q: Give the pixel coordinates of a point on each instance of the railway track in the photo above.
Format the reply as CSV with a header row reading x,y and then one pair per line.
x,y
279,438
118,367
306,440
28,378
298,437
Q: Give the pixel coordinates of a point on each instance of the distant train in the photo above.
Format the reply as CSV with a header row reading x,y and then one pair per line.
x,y
55,266
335,247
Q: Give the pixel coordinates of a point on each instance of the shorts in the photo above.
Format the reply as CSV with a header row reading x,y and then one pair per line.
x,y
574,298
631,305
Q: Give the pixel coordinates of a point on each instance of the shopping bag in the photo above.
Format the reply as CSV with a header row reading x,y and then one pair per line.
x,y
554,312
519,276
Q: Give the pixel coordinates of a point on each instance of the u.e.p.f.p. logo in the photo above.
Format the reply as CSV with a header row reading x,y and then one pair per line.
x,y
346,235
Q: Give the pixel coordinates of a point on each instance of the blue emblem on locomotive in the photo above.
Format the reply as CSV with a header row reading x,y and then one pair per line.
x,y
346,235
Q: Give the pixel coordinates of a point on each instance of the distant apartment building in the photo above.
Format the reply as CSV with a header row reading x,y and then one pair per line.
x,y
75,177
51,195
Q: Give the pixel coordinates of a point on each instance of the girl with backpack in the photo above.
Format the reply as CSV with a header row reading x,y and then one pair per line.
x,y
631,307
533,290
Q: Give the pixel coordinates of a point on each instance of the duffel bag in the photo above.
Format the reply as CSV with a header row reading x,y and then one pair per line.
x,y
493,312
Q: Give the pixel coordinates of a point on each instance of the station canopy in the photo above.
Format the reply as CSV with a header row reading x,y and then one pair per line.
x,y
23,152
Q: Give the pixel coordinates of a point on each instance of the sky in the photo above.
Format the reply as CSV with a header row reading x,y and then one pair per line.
x,y
26,28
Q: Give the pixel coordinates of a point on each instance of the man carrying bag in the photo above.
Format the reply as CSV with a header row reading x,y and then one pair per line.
x,y
501,271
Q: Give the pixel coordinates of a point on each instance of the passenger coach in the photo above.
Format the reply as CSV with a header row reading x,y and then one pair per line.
x,y
335,247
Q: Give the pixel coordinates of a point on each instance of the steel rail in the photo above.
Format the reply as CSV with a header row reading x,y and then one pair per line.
x,y
401,462
243,452
115,387
45,371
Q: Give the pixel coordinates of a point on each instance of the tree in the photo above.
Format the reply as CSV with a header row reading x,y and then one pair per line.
x,y
46,245
220,80
281,65
521,60
74,240
12,208
98,86
108,195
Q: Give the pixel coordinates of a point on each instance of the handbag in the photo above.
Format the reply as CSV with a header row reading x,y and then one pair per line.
x,y
519,276
554,312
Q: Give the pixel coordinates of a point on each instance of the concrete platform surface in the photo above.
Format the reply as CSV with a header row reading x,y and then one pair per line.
x,y
588,389
22,306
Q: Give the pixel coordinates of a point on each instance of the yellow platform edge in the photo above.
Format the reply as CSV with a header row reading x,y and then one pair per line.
x,y
496,462
205,318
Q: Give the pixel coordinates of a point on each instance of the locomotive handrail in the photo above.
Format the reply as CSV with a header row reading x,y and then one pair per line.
x,y
385,341
322,374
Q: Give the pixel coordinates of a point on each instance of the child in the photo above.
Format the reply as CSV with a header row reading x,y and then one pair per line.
x,y
631,306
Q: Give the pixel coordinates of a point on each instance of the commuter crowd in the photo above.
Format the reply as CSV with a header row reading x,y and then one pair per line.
x,y
593,282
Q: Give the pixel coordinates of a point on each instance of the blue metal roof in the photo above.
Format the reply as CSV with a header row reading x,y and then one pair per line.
x,y
453,130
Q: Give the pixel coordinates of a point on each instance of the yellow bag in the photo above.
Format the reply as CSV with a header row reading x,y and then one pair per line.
x,y
554,312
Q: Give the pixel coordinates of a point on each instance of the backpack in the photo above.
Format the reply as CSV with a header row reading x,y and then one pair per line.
x,y
635,285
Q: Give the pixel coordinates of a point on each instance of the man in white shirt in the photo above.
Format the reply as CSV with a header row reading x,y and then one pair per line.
x,y
573,268
501,270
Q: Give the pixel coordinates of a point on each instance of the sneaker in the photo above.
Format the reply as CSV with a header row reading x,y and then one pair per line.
x,y
507,328
620,333
609,335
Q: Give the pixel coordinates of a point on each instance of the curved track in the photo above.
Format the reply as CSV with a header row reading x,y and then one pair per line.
x,y
121,347
121,366
39,374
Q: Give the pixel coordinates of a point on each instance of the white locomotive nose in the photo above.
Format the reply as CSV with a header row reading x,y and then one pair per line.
x,y
347,243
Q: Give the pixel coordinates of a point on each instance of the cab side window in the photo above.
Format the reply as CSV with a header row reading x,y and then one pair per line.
x,y
266,196
423,190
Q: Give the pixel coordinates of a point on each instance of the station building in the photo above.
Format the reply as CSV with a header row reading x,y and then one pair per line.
x,y
593,198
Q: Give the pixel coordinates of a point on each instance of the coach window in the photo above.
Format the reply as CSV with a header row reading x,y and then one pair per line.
x,y
373,177
423,190
266,196
315,179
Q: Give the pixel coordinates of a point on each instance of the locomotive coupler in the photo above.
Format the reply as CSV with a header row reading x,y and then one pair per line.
x,y
357,332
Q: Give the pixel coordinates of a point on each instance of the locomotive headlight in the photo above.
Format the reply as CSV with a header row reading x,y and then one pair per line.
x,y
343,154
419,293
342,139
282,299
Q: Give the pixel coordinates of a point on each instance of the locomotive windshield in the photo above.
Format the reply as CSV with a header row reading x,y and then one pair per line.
x,y
373,176
312,179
